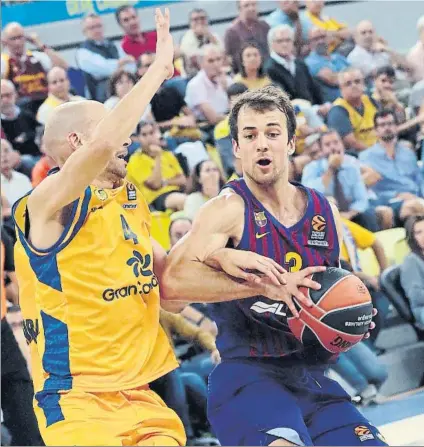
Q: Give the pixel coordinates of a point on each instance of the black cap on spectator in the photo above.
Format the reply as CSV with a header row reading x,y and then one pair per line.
x,y
236,89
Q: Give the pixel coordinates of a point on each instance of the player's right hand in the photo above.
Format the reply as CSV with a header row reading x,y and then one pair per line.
x,y
291,289
164,43
249,266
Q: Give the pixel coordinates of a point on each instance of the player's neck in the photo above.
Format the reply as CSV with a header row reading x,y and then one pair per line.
x,y
278,198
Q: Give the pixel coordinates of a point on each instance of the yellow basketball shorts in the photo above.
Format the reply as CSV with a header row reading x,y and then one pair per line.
x,y
132,417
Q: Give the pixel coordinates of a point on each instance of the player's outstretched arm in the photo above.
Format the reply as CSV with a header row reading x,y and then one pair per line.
x,y
192,271
107,137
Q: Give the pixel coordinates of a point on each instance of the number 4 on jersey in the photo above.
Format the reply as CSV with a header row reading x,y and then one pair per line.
x,y
128,233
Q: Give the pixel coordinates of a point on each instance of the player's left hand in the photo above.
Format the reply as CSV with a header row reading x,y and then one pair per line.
x,y
372,324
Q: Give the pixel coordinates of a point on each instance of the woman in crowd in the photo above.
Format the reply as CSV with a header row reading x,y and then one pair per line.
x,y
120,83
206,182
252,72
412,269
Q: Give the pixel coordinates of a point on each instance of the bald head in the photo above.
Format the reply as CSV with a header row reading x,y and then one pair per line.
x,y
5,159
69,125
8,97
58,83
14,37
365,34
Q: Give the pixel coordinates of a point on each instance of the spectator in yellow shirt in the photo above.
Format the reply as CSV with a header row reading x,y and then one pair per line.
x,y
156,172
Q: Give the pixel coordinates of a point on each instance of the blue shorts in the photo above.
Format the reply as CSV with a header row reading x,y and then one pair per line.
x,y
255,402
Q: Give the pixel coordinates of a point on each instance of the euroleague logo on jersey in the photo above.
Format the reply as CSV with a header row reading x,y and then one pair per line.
x,y
318,223
318,231
141,267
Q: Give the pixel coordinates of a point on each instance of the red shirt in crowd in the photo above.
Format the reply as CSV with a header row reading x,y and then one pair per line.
x,y
136,46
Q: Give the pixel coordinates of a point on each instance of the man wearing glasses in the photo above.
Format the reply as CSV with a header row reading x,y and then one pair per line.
x,y
353,113
195,38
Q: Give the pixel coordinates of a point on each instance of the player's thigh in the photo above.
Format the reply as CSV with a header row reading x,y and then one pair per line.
x,y
341,424
363,434
157,424
74,418
244,410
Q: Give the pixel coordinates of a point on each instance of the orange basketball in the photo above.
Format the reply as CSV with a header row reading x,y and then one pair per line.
x,y
341,314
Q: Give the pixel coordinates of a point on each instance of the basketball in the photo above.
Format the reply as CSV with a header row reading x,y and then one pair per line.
x,y
341,314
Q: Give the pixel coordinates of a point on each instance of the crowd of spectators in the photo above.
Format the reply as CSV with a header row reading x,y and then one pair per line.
x,y
359,140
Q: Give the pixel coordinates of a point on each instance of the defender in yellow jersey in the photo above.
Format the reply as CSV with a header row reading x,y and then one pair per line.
x,y
89,276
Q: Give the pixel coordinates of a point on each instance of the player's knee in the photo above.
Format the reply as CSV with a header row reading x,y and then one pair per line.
x,y
281,442
385,216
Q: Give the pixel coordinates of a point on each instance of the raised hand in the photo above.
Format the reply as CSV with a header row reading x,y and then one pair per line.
x,y
165,42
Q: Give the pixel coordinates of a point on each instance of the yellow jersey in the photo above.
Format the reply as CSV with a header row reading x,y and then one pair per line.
x,y
363,125
91,302
140,168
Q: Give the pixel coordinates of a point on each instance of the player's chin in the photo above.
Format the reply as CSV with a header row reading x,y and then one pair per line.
x,y
118,168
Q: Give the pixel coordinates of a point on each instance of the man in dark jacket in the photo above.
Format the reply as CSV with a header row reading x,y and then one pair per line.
x,y
288,72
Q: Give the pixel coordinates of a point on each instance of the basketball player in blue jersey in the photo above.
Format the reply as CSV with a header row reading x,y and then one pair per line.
x,y
269,389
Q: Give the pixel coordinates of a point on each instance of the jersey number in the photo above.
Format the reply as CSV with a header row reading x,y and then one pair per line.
x,y
294,261
128,233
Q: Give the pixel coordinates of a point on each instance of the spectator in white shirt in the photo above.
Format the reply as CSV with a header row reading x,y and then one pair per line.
x,y
372,52
195,38
206,93
59,93
14,185
99,57
416,53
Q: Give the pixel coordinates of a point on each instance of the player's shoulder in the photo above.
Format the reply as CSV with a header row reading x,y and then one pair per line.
x,y
222,211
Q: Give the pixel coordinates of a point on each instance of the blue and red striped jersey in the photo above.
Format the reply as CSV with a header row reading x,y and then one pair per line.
x,y
257,326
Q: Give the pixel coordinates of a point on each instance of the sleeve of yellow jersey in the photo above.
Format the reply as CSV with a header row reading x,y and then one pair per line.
x,y
363,237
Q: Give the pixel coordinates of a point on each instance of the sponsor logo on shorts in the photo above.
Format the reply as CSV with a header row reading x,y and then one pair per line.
x,y
131,192
317,235
363,433
260,219
276,308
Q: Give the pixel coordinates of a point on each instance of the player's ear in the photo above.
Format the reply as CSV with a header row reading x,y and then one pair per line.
x,y
74,140
236,149
291,147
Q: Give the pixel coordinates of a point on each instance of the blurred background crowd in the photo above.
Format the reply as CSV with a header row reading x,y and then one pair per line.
x,y
359,140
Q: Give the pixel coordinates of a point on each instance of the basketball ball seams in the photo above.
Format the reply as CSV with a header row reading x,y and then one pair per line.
x,y
331,288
